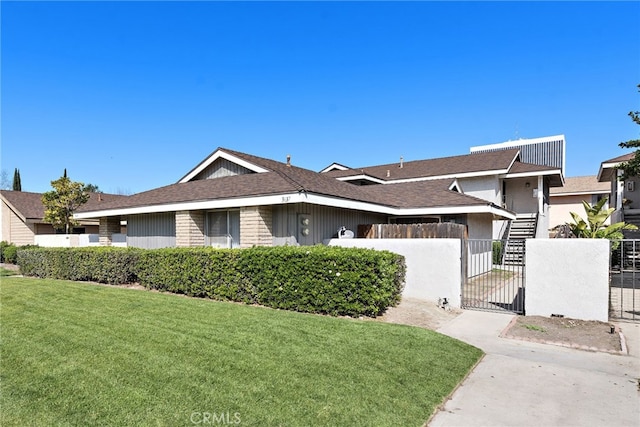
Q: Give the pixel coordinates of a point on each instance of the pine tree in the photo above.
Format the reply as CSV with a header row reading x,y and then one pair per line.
x,y
17,184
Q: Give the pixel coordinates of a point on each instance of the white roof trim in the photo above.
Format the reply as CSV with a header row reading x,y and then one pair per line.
x,y
334,166
534,173
424,178
579,193
219,154
297,198
362,176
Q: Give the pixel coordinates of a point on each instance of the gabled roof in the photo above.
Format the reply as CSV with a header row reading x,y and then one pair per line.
x,y
28,206
608,168
334,166
523,170
476,164
285,183
578,185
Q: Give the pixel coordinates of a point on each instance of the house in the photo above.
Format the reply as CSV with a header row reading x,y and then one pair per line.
x,y
624,196
22,213
567,199
234,199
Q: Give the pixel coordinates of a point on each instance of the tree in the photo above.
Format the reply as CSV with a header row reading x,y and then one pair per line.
x,y
62,202
594,227
91,188
632,167
17,184
5,184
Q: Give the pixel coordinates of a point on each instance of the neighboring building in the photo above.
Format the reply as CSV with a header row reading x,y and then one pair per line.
x,y
623,196
569,198
233,199
22,213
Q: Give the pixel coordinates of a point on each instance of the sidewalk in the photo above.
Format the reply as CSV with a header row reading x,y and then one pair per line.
x,y
520,383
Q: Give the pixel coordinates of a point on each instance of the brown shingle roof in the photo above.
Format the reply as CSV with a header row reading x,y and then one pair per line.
x,y
621,159
581,185
29,205
455,165
421,194
284,179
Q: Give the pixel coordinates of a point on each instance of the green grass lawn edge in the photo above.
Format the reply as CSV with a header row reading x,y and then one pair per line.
x,y
76,354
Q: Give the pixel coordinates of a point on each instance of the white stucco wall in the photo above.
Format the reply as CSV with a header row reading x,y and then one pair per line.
x,y
433,265
568,277
58,240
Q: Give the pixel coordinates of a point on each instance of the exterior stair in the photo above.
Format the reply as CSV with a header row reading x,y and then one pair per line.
x,y
521,228
632,218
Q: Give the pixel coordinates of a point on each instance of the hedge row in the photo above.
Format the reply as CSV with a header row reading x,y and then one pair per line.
x,y
95,264
318,279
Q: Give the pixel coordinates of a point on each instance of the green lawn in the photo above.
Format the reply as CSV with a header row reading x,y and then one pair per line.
x,y
4,272
82,354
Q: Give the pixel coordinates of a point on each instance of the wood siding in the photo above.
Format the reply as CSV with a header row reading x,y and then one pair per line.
x,y
221,168
14,230
151,231
324,222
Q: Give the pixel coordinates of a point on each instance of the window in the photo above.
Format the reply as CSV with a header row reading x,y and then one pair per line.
x,y
223,229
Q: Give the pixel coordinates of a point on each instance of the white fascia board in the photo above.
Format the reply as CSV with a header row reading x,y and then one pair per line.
x,y
534,174
334,166
607,166
365,177
370,207
517,143
221,155
295,198
579,193
451,176
199,205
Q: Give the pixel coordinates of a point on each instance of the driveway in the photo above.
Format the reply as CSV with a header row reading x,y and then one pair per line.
x,y
520,383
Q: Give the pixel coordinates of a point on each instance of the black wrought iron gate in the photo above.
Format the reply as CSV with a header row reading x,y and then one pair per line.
x,y
493,275
624,280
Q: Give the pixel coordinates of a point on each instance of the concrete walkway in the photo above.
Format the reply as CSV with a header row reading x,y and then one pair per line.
x,y
520,383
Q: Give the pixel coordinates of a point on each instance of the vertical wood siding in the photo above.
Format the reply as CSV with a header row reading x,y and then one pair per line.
x,y
151,231
221,168
324,222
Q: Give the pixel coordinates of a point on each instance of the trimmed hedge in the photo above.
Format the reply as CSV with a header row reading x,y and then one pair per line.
x,y
95,264
317,279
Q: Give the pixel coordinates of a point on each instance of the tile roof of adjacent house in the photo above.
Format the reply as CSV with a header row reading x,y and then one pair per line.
x,y
280,180
581,185
28,206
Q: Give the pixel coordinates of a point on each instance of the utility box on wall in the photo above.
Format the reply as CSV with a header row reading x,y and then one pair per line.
x,y
305,236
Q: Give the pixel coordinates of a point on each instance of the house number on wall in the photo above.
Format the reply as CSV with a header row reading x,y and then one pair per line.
x,y
286,199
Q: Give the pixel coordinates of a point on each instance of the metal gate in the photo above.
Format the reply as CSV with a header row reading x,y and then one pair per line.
x,y
493,275
624,278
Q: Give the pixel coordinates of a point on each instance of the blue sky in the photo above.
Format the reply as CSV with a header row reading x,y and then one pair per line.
x,y
131,95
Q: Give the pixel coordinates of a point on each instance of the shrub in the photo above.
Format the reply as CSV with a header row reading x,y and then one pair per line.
x,y
9,253
497,252
98,264
318,279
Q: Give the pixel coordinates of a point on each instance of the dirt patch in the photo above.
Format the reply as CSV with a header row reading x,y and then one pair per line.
x,y
419,313
582,334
